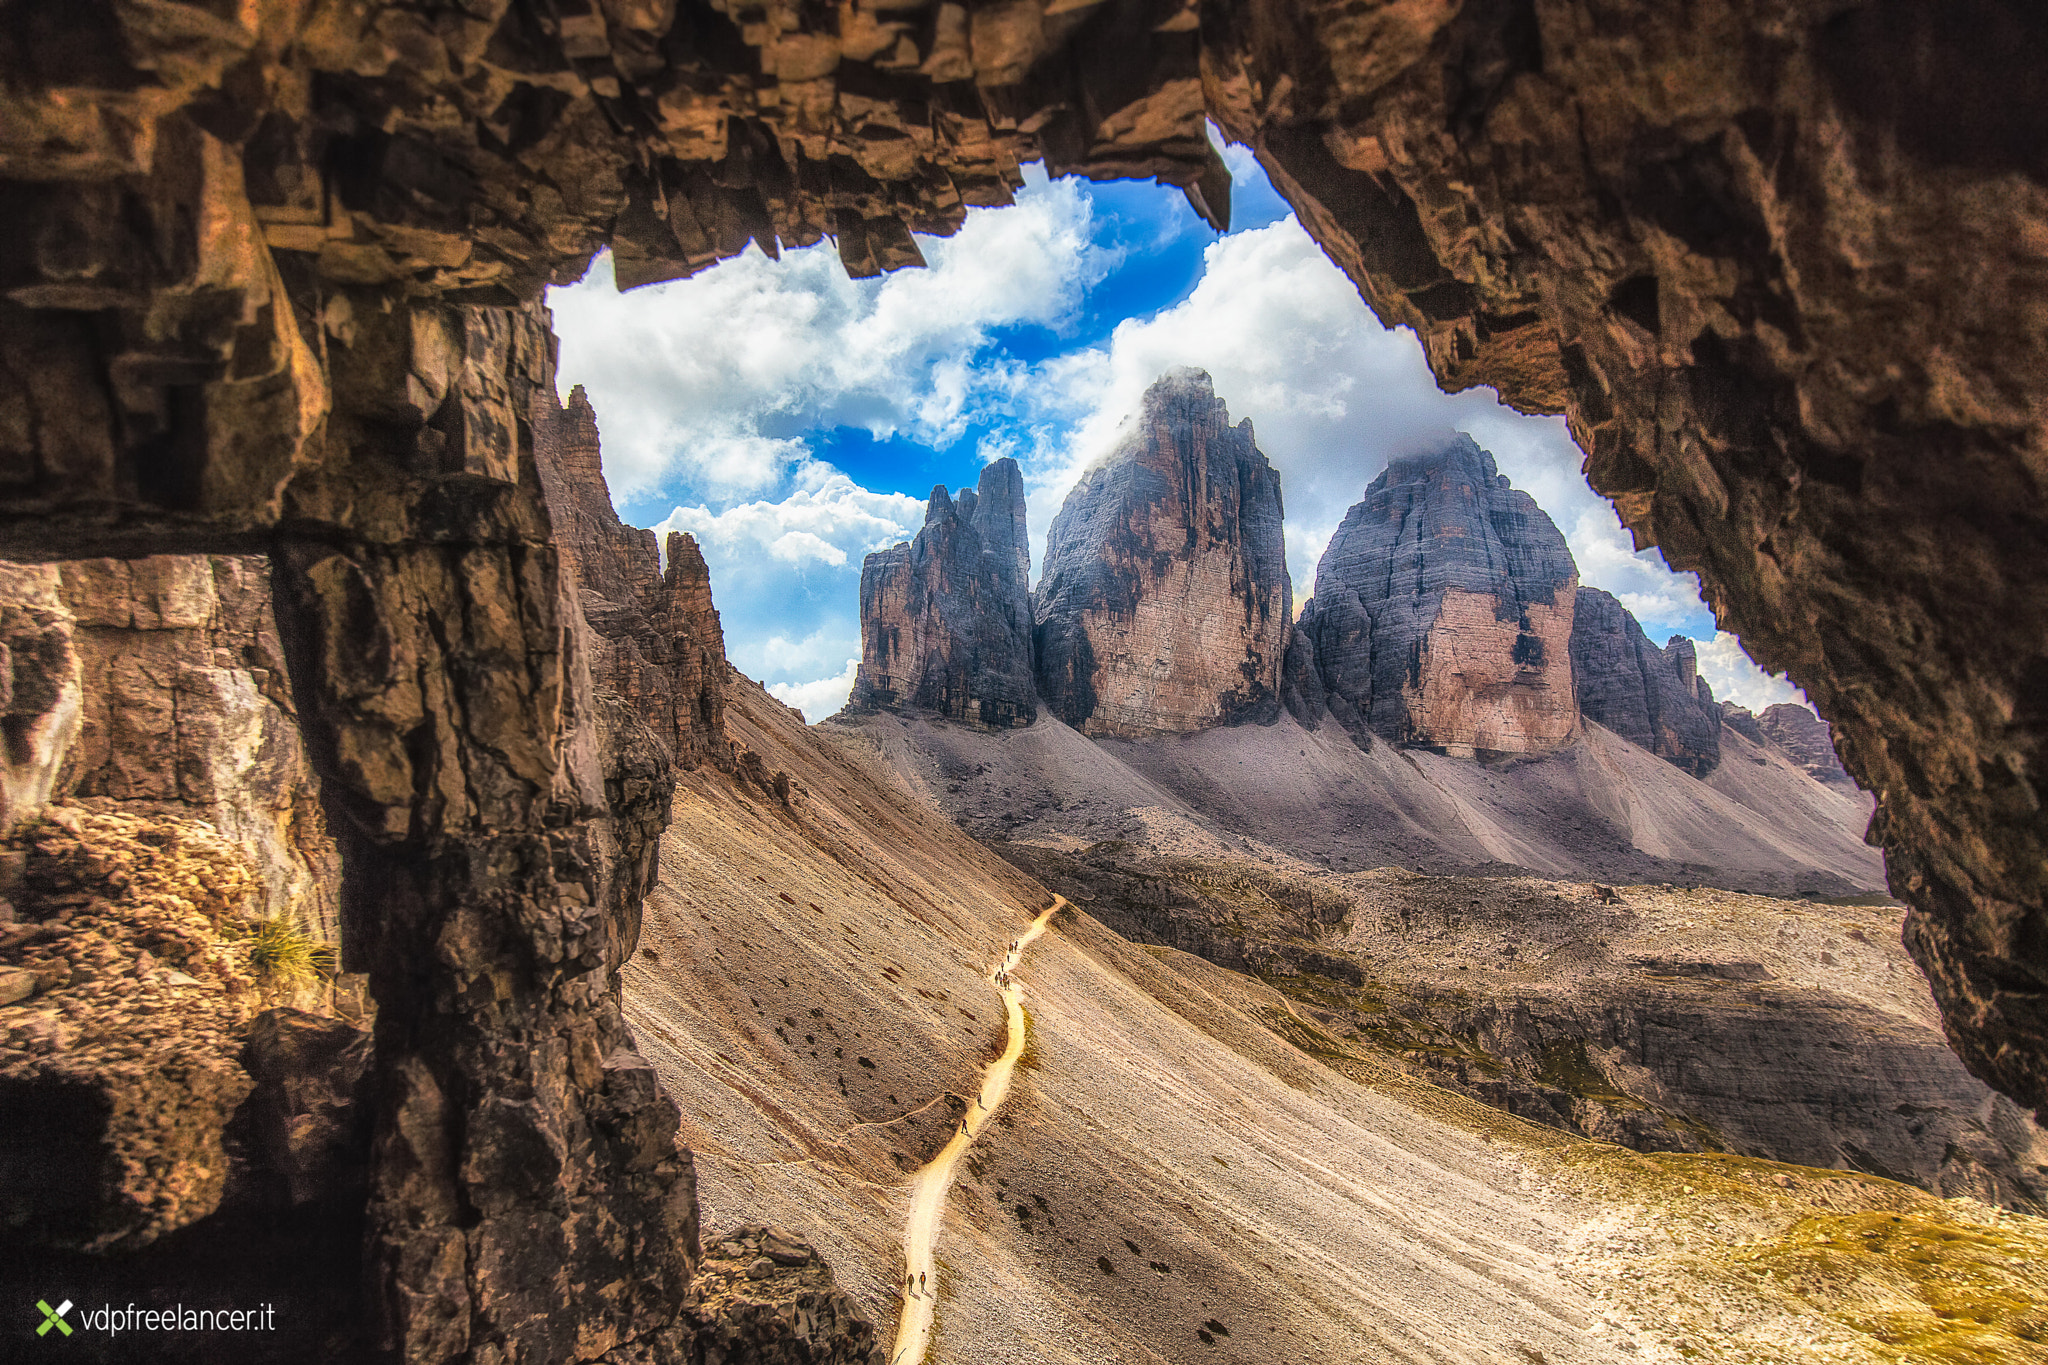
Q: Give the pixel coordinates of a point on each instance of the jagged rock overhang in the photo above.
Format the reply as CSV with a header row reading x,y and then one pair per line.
x,y
1777,264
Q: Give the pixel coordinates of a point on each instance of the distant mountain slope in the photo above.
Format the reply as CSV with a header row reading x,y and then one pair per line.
x,y
1599,808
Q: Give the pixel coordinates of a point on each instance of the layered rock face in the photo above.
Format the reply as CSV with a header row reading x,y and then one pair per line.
x,y
1443,611
1164,603
1777,267
1653,697
1807,739
159,685
660,647
945,620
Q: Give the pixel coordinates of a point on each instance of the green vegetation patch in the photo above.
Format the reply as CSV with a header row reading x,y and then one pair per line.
x,y
285,956
1923,1286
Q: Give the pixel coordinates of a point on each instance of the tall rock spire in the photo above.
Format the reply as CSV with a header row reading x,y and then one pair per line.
x,y
660,648
945,620
1165,600
1442,614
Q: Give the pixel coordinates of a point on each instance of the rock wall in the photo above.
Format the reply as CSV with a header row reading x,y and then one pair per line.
x,y
158,685
1443,611
1652,697
659,645
1807,739
1777,265
1164,604
1772,264
945,620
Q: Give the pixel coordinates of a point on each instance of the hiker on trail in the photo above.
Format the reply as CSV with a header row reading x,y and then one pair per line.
x,y
909,1284
920,1281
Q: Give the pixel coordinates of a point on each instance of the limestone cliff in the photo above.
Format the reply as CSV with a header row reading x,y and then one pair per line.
x,y
1164,603
1443,611
1653,697
1775,265
1807,739
158,685
945,620
659,645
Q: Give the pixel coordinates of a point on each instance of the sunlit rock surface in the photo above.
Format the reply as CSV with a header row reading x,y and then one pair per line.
x,y
1443,610
660,646
1164,602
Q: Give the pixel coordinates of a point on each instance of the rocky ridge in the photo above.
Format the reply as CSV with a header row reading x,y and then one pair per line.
x,y
946,618
1164,604
1442,614
659,646
1648,696
1661,227
1809,740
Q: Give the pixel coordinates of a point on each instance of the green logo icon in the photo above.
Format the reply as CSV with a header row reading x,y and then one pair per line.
x,y
54,1317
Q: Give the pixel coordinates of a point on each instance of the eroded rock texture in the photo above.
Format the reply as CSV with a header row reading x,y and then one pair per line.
x,y
1654,697
1443,611
1775,263
1809,740
660,648
1164,602
1779,265
945,620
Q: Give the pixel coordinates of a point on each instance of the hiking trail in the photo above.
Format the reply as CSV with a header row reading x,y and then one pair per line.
x,y
934,1180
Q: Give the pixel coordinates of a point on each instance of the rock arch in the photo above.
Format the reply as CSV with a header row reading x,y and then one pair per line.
x,y
270,283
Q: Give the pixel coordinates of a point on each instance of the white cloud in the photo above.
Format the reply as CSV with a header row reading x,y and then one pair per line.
x,y
708,379
819,699
1735,677
828,518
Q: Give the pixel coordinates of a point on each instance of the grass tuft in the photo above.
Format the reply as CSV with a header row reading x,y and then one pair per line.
x,y
284,955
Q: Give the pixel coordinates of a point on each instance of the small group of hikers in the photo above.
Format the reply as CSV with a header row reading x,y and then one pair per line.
x,y
913,1285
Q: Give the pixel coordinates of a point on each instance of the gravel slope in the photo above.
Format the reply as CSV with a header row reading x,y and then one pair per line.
x,y
1301,1203
1602,808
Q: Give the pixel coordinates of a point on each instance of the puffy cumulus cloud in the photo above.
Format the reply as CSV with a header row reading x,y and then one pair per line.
x,y
827,518
1735,677
820,698
711,382
785,574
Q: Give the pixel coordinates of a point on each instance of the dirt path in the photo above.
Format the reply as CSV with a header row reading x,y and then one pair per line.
x,y
935,1179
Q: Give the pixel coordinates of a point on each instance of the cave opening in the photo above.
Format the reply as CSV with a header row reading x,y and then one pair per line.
x,y
794,419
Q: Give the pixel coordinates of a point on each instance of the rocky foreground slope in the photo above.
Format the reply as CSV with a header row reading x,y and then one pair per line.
x,y
1192,1165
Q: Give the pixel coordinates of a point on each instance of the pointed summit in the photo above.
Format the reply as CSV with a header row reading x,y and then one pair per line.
x,y
945,620
1165,600
1443,613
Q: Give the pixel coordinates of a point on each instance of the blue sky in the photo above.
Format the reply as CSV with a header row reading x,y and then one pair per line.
x,y
794,420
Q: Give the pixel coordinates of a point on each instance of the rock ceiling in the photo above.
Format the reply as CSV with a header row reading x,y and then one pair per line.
x,y
269,282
